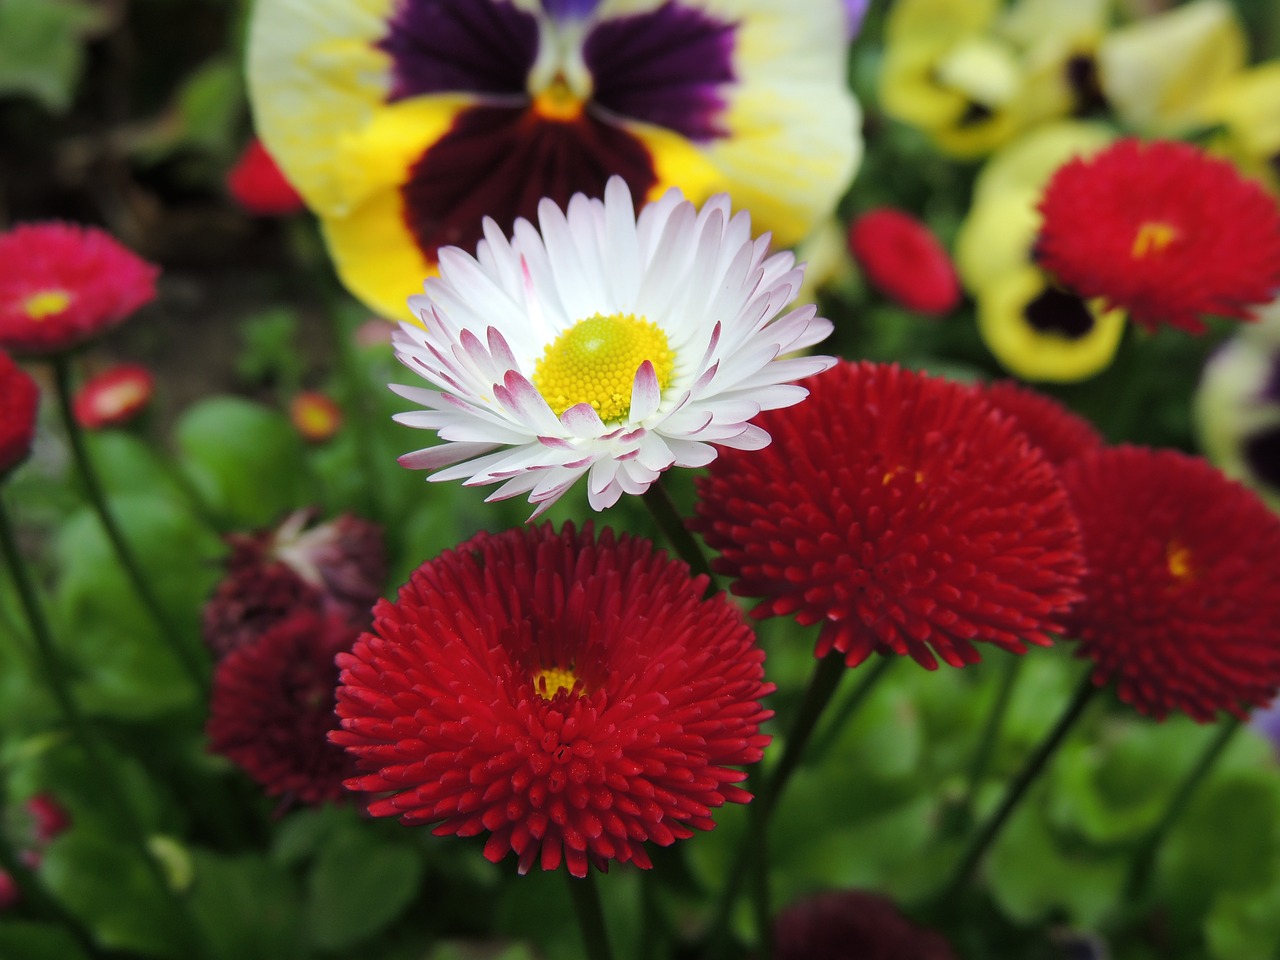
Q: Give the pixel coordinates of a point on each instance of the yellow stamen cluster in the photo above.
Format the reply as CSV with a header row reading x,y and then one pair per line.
x,y
547,683
46,303
1153,236
1178,558
595,361
558,102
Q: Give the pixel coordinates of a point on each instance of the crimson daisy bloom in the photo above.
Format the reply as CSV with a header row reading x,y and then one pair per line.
x,y
64,285
19,398
315,416
113,397
853,923
902,513
572,696
1058,433
1182,595
1163,231
258,186
902,259
272,708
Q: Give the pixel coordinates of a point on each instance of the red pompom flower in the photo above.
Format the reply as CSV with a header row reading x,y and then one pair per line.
x,y
63,285
902,513
258,186
572,697
19,398
1163,231
1058,433
272,708
1182,594
904,261
853,923
114,397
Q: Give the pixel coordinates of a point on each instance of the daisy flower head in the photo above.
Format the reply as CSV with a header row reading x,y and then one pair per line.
x,y
272,708
404,122
572,696
902,258
610,346
1163,231
114,397
1182,594
1058,433
19,399
64,285
921,525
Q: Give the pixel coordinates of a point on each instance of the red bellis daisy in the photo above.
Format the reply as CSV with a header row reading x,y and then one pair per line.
x,y
901,512
904,260
19,398
572,697
272,708
1182,597
1163,231
64,285
1058,433
853,923
114,397
258,186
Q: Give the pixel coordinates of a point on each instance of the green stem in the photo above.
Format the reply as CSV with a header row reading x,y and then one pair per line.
x,y
990,735
849,706
1018,787
586,904
56,680
197,672
682,541
1142,864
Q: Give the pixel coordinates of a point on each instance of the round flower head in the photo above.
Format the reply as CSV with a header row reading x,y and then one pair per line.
x,y
272,708
853,923
573,698
610,346
258,186
1163,231
404,122
114,397
904,261
19,398
901,512
64,285
315,416
1058,433
1182,596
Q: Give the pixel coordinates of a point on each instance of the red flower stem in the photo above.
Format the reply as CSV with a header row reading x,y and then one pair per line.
x,y
51,667
1141,865
682,541
196,671
586,905
990,736
1034,765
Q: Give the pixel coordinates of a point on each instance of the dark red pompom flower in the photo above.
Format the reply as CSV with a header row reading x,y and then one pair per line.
x,y
902,513
114,397
1182,594
273,708
258,186
19,398
63,285
902,259
573,698
853,923
1163,231
1059,434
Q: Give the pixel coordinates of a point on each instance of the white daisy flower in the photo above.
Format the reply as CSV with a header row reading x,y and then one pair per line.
x,y
608,346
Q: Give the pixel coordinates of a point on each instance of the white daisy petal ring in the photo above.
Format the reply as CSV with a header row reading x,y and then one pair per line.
x,y
604,345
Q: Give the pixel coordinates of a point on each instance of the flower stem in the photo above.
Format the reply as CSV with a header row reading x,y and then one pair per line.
x,y
196,671
1142,864
51,666
990,737
686,546
586,904
850,705
1018,787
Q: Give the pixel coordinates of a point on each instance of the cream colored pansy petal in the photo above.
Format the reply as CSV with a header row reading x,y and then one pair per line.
x,y
912,20
1158,73
995,238
908,87
1248,104
1031,161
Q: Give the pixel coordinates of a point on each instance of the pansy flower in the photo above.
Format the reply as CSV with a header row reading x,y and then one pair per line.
x,y
405,122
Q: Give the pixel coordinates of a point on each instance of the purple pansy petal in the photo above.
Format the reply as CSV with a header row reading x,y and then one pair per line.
x,y
570,9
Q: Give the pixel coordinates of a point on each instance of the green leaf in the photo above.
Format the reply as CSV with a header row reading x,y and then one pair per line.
x,y
359,885
42,48
1241,925
245,459
247,907
23,940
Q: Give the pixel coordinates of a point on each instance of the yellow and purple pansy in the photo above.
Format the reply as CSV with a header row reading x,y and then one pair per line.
x,y
404,123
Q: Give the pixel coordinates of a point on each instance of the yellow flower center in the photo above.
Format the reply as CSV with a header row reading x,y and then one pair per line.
x,y
46,303
1178,559
1153,236
595,361
558,102
547,683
